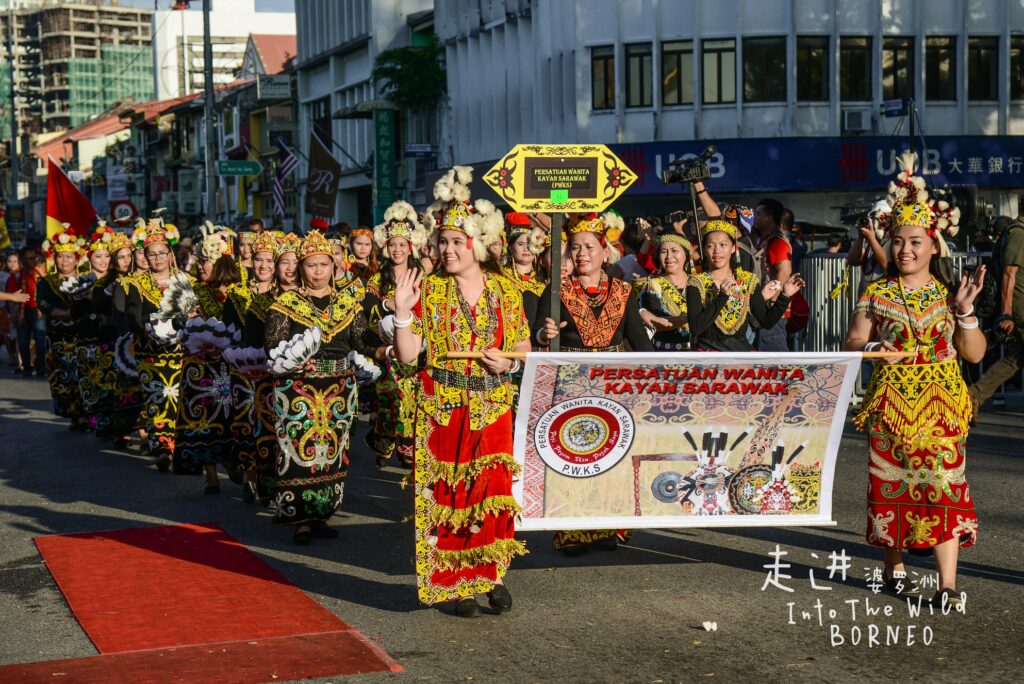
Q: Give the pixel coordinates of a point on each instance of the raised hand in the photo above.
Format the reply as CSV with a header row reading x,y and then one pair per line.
x,y
771,290
793,285
969,290
407,290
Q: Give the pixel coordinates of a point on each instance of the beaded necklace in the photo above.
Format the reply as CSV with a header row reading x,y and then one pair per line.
x,y
487,333
323,314
594,299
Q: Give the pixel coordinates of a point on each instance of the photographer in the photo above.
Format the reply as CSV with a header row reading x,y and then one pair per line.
x,y
1008,261
867,251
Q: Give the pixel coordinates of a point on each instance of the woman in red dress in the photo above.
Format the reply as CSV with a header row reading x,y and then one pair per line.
x,y
464,510
916,409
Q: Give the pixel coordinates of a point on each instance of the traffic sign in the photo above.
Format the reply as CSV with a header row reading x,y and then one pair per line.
x,y
559,178
238,167
123,211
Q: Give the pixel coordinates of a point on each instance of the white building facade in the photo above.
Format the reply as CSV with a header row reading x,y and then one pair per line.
x,y
791,92
338,41
178,43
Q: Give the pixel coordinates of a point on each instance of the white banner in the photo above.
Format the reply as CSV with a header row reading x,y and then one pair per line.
x,y
660,440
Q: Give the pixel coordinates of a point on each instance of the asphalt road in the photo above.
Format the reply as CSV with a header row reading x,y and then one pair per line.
x,y
632,615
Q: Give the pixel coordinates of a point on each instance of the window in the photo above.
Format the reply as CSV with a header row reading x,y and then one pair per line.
x,y
982,68
677,72
1017,67
602,77
855,68
320,113
812,68
940,68
764,69
638,75
719,61
897,68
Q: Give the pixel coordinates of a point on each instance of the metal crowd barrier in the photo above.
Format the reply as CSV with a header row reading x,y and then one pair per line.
x,y
829,318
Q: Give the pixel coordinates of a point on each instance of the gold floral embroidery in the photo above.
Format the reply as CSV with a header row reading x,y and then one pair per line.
x,y
673,301
919,530
442,328
734,314
529,284
297,308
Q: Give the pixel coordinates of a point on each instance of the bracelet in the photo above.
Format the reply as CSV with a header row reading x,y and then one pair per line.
x,y
969,326
872,346
514,368
404,324
968,314
389,351
702,191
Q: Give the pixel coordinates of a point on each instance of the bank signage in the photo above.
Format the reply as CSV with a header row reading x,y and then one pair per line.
x,y
831,163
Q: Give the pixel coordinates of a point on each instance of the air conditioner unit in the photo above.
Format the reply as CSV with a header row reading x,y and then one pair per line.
x,y
856,121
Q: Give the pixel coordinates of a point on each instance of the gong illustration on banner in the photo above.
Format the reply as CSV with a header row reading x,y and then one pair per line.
x,y
559,178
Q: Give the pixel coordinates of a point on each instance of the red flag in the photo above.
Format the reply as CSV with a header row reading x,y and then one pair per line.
x,y
65,203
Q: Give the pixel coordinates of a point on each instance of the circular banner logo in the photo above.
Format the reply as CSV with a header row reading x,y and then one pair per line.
x,y
584,437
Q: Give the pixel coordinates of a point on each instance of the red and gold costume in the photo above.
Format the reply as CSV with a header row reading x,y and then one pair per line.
x,y
916,415
464,509
917,411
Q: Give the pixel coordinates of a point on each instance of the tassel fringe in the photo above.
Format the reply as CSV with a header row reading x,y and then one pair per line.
x,y
500,551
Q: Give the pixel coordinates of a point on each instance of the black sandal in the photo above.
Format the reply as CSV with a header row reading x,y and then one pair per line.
x,y
302,537
324,531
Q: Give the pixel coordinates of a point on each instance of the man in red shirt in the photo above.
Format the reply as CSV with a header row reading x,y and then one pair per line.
x,y
776,263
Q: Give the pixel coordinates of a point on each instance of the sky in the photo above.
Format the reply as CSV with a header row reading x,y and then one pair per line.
x,y
261,5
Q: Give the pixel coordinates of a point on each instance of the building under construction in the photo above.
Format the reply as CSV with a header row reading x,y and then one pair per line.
x,y
72,60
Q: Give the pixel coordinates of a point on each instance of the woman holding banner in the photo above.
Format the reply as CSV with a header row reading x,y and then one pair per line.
x,y
464,509
725,302
916,409
598,314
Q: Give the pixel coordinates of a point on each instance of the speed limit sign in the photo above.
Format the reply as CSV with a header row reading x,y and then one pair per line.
x,y
122,211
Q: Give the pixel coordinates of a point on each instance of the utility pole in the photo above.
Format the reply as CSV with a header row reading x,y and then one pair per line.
x,y
211,199
15,158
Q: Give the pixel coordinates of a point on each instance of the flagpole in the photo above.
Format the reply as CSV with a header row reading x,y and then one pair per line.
x,y
211,191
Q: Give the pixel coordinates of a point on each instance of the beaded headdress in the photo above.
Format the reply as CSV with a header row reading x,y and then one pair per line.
x,y
247,236
677,239
481,221
139,233
400,220
315,243
119,241
290,242
607,226
911,205
267,241
715,225
158,231
64,240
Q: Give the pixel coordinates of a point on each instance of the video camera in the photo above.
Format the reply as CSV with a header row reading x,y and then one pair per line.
x,y
689,170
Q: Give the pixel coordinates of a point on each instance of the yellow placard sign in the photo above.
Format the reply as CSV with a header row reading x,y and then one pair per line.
x,y
571,178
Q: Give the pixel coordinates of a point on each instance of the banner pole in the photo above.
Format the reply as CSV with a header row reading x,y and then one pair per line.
x,y
555,289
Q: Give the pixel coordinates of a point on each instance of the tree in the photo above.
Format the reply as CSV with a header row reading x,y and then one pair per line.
x,y
411,77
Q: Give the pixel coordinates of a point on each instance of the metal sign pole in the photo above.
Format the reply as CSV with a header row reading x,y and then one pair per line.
x,y
555,290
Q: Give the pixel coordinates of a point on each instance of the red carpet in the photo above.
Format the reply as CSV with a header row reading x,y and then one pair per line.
x,y
154,590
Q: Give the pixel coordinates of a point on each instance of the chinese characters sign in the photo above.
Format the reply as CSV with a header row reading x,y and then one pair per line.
x,y
385,178
613,440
